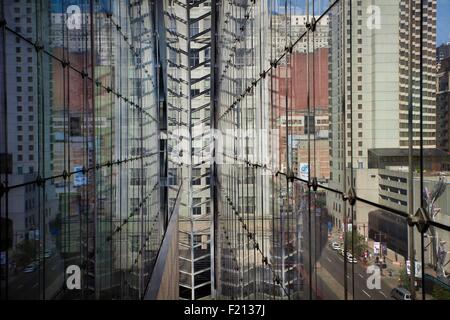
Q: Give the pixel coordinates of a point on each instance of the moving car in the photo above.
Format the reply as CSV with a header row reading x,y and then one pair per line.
x,y
335,246
400,294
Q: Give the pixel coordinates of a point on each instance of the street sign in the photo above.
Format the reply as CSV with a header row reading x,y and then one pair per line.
x,y
384,249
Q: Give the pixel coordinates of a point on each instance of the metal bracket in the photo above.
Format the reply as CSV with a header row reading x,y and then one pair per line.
x,y
314,184
38,46
3,189
420,219
290,176
350,196
289,48
40,182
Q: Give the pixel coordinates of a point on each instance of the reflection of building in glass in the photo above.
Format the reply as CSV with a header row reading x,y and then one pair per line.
x,y
82,145
307,117
189,80
443,52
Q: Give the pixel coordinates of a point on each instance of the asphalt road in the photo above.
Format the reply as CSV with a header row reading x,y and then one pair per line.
x,y
26,286
328,269
333,263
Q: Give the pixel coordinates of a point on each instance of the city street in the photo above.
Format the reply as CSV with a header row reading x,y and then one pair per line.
x,y
332,263
329,284
25,286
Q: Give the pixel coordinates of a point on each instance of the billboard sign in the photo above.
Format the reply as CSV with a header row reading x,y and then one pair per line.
x,y
418,267
303,171
376,248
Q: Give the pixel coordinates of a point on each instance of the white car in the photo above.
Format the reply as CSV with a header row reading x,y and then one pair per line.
x,y
336,246
48,254
351,259
32,267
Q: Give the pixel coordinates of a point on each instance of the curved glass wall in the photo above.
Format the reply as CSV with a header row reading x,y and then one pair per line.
x,y
80,149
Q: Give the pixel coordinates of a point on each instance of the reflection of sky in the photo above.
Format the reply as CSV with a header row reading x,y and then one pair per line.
x,y
443,13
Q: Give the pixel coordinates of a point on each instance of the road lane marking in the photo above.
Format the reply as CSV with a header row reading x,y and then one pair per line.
x,y
20,286
367,294
383,294
35,285
360,275
329,260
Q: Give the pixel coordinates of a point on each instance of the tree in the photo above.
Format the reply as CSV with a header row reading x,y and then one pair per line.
x,y
25,252
358,242
404,279
440,293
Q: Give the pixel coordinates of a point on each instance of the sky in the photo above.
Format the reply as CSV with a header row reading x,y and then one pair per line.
x,y
443,21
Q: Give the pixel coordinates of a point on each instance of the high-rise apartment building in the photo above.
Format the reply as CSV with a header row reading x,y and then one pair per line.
x,y
24,148
369,101
443,51
443,105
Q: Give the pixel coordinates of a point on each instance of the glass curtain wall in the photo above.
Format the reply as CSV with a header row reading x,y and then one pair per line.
x,y
189,95
80,150
332,177
330,126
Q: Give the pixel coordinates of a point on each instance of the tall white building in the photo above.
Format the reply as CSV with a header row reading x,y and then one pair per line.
x,y
289,28
27,97
370,109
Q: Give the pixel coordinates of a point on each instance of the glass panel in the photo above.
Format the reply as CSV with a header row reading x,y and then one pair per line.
x,y
79,150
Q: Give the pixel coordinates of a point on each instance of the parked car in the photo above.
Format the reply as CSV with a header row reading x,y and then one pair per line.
x,y
32,267
48,253
400,294
351,259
